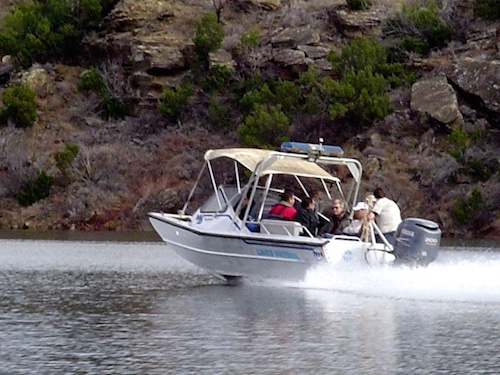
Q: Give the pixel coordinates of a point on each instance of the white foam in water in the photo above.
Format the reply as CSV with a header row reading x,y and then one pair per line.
x,y
454,276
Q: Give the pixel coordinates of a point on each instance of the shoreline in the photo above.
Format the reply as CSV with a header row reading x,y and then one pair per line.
x,y
152,236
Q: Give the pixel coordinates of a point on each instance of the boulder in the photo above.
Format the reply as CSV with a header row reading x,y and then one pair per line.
x,y
267,4
39,80
6,69
292,37
478,77
314,52
222,57
436,98
356,23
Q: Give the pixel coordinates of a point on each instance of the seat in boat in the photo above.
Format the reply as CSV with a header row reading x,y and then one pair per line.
x,y
283,227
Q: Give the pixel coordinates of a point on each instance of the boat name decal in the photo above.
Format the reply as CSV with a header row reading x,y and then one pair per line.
x,y
199,219
407,232
318,254
278,254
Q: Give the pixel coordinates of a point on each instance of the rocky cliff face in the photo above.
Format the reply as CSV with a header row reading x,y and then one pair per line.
x,y
129,167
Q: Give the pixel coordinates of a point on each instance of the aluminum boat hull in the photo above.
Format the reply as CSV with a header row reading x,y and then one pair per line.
x,y
254,255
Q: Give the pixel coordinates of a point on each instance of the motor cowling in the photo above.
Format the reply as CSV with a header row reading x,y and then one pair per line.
x,y
417,242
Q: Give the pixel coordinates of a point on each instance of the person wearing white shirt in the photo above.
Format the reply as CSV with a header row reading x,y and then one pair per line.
x,y
386,213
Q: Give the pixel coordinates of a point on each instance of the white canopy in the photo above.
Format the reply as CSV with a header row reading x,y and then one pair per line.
x,y
274,162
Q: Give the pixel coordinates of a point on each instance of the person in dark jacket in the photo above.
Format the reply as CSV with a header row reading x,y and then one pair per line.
x,y
308,216
339,219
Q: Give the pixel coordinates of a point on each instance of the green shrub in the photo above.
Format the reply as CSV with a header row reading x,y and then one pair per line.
x,y
45,30
359,4
20,106
264,127
217,78
208,37
360,53
370,101
250,40
479,170
489,9
463,209
458,139
92,80
110,106
315,98
174,101
37,190
418,29
113,108
359,97
65,158
219,115
369,53
256,96
278,92
286,95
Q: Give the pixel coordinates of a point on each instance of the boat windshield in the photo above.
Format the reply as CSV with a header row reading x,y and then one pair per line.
x,y
226,194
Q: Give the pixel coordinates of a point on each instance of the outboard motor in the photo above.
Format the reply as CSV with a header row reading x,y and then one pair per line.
x,y
416,242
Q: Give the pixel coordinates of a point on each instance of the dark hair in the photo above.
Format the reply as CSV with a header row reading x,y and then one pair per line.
x,y
306,201
379,193
287,195
314,193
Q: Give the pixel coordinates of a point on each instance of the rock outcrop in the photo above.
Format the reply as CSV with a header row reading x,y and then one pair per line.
x,y
435,97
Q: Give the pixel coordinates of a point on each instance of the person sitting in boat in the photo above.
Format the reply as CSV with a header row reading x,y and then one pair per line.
x,y
307,216
339,219
244,205
285,208
360,218
387,215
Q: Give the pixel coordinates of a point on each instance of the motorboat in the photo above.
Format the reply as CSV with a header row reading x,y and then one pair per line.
x,y
224,226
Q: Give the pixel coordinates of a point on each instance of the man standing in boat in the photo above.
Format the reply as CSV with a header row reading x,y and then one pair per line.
x,y
386,213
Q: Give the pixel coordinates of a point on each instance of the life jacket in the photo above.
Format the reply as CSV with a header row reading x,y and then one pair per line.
x,y
280,209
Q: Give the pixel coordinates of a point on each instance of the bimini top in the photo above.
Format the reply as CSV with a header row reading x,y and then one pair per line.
x,y
265,162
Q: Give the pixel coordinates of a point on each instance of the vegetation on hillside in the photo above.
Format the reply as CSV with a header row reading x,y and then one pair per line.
x,y
19,106
49,30
110,105
250,106
488,9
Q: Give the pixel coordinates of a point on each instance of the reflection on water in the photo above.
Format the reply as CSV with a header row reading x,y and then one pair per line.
x,y
68,235
85,307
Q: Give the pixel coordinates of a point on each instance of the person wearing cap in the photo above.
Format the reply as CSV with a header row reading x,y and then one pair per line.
x,y
386,214
285,208
356,225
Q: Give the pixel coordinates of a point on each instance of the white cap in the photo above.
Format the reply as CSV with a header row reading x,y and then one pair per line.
x,y
360,206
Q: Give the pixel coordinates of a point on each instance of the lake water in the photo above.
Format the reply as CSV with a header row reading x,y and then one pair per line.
x,y
109,307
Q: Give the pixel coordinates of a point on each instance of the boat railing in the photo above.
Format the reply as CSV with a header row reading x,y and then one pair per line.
x,y
374,232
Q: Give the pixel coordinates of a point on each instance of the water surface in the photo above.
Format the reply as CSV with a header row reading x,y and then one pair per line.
x,y
114,307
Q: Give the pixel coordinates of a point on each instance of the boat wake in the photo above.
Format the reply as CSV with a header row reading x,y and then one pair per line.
x,y
455,276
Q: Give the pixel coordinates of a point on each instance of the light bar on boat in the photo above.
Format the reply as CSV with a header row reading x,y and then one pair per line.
x,y
311,149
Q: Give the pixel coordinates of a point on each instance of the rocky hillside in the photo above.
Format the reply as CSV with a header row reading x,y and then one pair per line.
x,y
127,167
